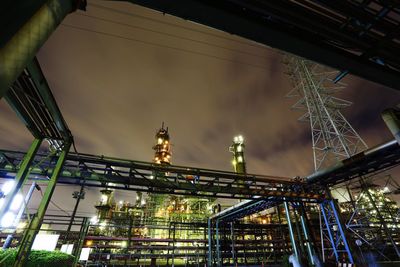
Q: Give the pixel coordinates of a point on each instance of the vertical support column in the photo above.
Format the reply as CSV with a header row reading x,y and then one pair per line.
x,y
21,176
340,227
306,236
329,230
169,243
297,223
233,244
218,244
173,244
78,199
322,234
289,221
210,244
36,222
82,234
129,240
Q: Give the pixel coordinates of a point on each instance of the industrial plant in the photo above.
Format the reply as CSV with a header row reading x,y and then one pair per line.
x,y
342,214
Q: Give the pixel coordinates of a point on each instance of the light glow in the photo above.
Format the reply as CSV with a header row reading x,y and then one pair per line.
x,y
16,202
8,187
8,219
94,220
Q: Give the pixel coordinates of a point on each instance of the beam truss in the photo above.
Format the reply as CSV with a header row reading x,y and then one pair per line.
x,y
296,222
101,171
35,223
30,97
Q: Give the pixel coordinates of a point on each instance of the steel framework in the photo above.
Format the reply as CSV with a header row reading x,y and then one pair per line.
x,y
102,171
333,138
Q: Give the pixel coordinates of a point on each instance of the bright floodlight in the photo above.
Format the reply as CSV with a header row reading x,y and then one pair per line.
x,y
8,219
7,187
16,202
94,220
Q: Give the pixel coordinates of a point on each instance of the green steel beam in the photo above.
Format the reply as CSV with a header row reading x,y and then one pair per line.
x,y
35,27
36,222
82,234
48,98
22,114
22,175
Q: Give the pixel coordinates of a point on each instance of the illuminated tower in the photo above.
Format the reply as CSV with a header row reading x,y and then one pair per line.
x,y
162,156
237,149
162,148
105,206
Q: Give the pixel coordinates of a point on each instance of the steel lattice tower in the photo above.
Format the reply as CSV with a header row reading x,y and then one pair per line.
x,y
333,138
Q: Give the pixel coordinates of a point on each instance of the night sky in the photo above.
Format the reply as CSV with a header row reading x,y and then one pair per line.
x,y
118,71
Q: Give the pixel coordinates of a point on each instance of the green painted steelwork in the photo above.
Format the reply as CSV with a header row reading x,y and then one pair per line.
x,y
22,47
36,222
82,234
22,115
21,176
31,99
51,105
146,176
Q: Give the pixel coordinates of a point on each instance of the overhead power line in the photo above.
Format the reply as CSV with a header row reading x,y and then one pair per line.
x,y
248,43
173,35
161,45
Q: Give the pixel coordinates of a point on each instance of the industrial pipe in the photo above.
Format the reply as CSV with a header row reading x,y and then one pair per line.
x,y
322,175
24,43
392,120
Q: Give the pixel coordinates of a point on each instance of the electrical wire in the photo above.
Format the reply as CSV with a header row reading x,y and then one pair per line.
x,y
172,35
54,204
163,46
248,43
